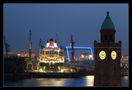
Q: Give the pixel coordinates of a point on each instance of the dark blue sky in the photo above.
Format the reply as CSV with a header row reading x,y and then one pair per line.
x,y
46,20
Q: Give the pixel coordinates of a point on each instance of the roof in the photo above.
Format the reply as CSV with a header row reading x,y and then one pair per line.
x,y
108,24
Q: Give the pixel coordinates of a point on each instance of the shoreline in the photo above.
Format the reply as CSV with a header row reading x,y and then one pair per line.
x,y
28,75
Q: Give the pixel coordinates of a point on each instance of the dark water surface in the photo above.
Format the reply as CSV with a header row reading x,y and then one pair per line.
x,y
87,81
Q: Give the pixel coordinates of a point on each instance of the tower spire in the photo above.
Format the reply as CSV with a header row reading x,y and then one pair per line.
x,y
108,23
107,12
107,29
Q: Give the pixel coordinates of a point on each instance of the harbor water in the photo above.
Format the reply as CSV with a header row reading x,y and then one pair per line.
x,y
86,81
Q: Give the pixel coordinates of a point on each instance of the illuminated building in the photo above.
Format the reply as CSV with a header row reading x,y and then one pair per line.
x,y
21,54
124,58
124,65
10,54
87,56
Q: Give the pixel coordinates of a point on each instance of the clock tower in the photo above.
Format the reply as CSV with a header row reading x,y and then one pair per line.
x,y
107,55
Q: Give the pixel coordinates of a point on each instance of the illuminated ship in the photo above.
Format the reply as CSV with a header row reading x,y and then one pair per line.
x,y
51,57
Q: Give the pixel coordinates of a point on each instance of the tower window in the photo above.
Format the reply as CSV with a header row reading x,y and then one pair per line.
x,y
105,38
111,38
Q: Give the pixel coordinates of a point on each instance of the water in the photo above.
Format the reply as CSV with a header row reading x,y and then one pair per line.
x,y
87,81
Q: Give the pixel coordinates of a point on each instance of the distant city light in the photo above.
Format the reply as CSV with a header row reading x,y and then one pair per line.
x,y
82,56
81,48
90,56
18,54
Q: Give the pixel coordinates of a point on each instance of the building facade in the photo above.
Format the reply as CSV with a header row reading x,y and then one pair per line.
x,y
107,54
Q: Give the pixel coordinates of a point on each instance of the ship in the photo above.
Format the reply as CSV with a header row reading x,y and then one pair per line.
x,y
52,64
51,57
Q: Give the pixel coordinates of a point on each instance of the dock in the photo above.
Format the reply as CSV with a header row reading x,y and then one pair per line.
x,y
56,75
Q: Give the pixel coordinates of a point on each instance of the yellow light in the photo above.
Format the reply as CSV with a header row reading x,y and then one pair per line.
x,y
82,56
90,57
71,70
102,55
62,70
113,55
89,80
40,70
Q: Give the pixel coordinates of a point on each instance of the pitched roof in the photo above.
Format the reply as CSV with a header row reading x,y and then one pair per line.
x,y
108,24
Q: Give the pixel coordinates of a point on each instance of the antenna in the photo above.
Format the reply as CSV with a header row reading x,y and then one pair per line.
x,y
57,39
40,43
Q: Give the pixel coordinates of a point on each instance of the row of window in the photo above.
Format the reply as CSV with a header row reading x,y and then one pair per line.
x,y
51,52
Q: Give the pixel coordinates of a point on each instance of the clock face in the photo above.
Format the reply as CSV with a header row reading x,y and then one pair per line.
x,y
113,55
102,55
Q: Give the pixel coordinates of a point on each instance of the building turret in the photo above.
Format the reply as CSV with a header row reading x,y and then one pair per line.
x,y
107,55
107,30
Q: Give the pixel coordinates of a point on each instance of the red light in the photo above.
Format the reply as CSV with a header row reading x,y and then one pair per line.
x,y
51,43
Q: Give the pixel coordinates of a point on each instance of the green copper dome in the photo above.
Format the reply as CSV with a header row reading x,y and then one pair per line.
x,y
108,24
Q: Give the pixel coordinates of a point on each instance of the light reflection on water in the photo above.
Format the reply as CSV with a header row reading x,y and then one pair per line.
x,y
87,81
90,80
125,81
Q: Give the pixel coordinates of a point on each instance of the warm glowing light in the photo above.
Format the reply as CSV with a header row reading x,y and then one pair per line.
x,y
102,55
90,80
82,56
25,55
62,70
90,57
40,70
71,70
113,55
18,54
59,67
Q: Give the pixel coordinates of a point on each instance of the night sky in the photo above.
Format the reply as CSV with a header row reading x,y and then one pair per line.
x,y
83,21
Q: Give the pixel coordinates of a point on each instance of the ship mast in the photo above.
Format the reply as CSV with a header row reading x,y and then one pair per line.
x,y
72,48
29,62
30,45
57,39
